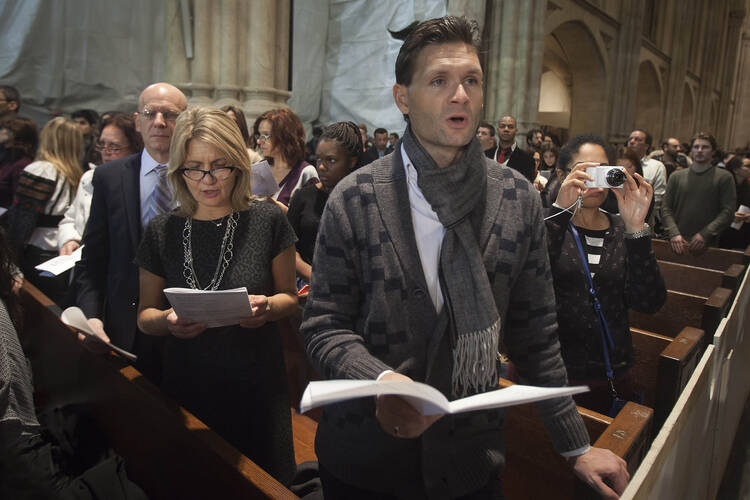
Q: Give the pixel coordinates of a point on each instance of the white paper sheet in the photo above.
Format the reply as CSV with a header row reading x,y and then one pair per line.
x,y
263,182
61,263
426,399
743,209
74,317
213,308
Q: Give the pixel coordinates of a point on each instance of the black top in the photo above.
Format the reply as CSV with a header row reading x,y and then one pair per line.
x,y
627,277
232,378
305,210
592,241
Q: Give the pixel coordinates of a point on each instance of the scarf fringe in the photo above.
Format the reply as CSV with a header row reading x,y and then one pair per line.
x,y
475,361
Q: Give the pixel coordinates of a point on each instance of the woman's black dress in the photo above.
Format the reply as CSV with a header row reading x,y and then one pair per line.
x,y
232,378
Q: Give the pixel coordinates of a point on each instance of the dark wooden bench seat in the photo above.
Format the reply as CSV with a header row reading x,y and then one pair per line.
x,y
663,366
168,451
686,309
714,258
535,470
700,280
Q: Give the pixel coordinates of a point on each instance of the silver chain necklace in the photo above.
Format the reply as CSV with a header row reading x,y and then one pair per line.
x,y
225,254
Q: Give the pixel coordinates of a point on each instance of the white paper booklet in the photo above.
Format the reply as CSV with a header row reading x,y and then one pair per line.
x,y
74,317
426,399
213,308
263,182
61,263
743,209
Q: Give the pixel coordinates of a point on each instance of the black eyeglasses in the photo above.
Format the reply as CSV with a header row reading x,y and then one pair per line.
x,y
262,137
218,173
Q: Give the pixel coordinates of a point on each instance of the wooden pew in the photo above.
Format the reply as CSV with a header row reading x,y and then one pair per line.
x,y
685,309
663,366
535,470
713,258
168,451
700,280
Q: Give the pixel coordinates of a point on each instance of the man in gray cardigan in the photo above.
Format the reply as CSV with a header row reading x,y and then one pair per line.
x,y
426,260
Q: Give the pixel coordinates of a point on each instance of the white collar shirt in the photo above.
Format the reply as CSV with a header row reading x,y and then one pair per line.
x,y
428,232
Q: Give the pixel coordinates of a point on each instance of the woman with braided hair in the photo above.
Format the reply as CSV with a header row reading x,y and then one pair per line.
x,y
338,152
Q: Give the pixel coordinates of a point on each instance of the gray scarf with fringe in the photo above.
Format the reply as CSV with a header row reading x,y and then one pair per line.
x,y
474,323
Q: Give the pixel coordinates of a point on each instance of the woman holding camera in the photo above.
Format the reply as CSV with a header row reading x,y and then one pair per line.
x,y
602,265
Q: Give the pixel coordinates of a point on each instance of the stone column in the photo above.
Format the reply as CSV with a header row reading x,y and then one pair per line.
x,y
268,23
177,69
201,85
240,53
624,84
515,44
675,81
740,123
228,86
734,34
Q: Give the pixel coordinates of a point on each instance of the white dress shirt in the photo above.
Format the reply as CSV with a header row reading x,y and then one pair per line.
x,y
428,231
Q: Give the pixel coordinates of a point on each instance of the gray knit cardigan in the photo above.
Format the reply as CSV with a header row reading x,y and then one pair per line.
x,y
369,311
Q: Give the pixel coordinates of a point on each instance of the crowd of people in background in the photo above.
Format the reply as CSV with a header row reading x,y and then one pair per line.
x,y
163,198
716,217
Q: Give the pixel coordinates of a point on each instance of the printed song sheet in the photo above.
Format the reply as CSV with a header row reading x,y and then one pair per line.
x,y
214,308
61,263
74,317
426,399
743,209
263,182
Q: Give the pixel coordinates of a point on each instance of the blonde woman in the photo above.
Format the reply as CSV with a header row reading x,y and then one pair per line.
x,y
45,190
232,378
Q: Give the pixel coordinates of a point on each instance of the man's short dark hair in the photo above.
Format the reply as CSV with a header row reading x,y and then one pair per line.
x,y
11,94
380,130
649,139
393,134
89,115
531,133
446,29
706,137
489,127
574,145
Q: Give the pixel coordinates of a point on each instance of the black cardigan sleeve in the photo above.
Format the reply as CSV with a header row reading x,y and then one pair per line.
x,y
645,290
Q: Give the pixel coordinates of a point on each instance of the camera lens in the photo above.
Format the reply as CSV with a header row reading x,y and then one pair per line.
x,y
615,177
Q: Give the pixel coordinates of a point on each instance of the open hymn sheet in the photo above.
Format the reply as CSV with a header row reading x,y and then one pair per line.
x,y
212,308
426,399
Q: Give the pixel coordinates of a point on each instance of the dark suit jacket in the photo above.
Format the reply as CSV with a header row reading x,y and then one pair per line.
x,y
371,155
107,278
519,160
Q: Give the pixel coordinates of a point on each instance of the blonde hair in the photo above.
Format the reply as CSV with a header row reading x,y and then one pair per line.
x,y
216,128
61,144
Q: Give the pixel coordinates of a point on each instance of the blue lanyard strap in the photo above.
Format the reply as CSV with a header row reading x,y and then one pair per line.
x,y
607,342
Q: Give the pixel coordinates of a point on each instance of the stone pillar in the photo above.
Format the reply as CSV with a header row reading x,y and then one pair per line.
x,y
674,87
240,53
740,123
624,84
268,22
515,44
177,69
734,34
200,85
228,86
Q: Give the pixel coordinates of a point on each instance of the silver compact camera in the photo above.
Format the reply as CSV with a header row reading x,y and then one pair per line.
x,y
606,176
